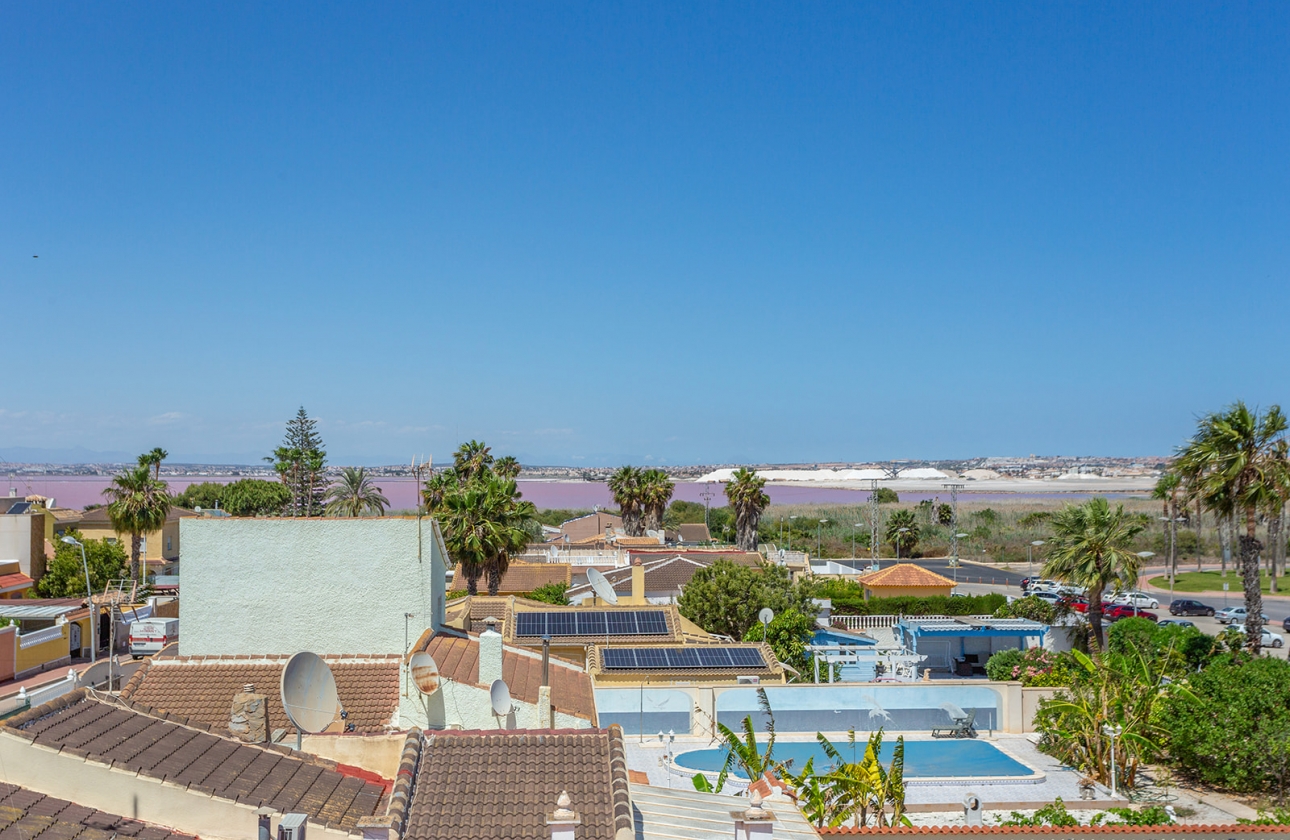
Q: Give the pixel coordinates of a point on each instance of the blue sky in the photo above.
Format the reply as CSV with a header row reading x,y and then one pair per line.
x,y
677,233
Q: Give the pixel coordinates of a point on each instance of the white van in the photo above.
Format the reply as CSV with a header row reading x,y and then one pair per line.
x,y
150,635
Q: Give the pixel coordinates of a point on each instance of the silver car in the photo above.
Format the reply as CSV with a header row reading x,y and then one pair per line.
x,y
1141,600
1234,615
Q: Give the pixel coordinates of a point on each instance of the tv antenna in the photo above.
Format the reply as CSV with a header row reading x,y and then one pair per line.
x,y
707,495
425,673
308,694
601,586
500,695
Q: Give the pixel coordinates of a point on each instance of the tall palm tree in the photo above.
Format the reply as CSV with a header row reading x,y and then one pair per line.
x,y
137,505
1237,461
656,492
625,485
286,462
354,494
313,463
472,459
1090,548
483,528
153,459
507,466
1166,492
747,494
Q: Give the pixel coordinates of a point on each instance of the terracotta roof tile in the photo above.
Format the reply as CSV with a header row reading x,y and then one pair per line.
x,y
905,575
25,813
16,580
192,757
503,785
522,578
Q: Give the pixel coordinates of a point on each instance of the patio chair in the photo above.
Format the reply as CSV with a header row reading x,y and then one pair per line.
x,y
962,728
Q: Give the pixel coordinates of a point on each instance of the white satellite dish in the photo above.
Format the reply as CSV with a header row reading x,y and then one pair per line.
x,y
500,694
766,616
600,585
309,692
425,673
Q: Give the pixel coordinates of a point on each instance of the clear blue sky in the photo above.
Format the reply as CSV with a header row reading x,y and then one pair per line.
x,y
696,232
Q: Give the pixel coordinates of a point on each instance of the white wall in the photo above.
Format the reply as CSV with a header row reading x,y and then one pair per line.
x,y
15,538
279,586
465,706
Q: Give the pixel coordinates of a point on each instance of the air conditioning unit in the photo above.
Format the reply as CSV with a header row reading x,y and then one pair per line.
x,y
746,680
292,827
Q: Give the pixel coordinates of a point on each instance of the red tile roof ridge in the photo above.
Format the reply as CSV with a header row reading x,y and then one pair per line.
x,y
244,658
457,733
1048,830
136,679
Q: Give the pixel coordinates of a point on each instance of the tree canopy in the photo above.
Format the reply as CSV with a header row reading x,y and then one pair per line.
x,y
725,597
65,575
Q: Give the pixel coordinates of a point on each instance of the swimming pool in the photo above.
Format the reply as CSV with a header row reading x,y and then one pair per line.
x,y
923,759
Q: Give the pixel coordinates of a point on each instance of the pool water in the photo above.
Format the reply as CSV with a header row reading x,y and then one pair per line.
x,y
923,759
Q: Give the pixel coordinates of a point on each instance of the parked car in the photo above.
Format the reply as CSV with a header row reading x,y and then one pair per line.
x,y
1136,599
1075,603
1233,615
1041,585
1115,612
1285,625
1268,639
1175,622
1188,606
150,635
1045,595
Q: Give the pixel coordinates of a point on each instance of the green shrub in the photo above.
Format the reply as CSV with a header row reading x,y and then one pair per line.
x,y
911,605
1031,607
1033,667
1172,650
1232,728
551,593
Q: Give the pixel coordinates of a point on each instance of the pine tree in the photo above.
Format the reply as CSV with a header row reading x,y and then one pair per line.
x,y
300,462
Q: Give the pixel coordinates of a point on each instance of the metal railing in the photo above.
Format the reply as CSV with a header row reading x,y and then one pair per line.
x,y
865,622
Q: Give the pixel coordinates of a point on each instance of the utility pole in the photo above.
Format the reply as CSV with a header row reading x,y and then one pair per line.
x,y
707,495
954,520
873,520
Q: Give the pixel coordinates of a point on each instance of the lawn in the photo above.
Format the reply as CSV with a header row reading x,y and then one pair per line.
x,y
1213,582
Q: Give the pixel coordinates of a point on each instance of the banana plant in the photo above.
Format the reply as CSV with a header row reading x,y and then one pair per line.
x,y
742,751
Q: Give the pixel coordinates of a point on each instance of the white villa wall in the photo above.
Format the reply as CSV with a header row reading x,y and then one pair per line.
x,y
15,539
332,586
460,706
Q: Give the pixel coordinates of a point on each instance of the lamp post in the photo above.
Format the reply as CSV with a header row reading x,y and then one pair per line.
x,y
1147,555
899,531
1030,557
819,529
1114,732
89,597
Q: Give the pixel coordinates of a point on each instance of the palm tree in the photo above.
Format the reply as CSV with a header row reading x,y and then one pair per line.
x,y
313,463
437,487
1090,548
1166,492
472,459
354,494
153,459
483,527
507,466
137,505
656,492
1237,461
747,494
904,541
286,462
625,485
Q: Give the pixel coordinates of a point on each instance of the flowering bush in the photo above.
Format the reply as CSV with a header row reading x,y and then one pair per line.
x,y
1033,667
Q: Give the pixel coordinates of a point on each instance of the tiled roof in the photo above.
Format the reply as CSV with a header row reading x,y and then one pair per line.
x,y
668,572
28,815
186,754
630,542
1181,831
202,688
15,581
99,516
524,577
904,574
591,525
503,785
458,659
694,532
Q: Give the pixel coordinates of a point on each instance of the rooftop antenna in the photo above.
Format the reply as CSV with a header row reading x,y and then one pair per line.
x,y
600,585
308,694
425,673
766,616
500,695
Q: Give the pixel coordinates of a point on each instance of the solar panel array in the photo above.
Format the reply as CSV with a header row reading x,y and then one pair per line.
x,y
592,623
681,659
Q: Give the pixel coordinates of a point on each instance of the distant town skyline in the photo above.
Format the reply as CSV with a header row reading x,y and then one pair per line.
x,y
641,233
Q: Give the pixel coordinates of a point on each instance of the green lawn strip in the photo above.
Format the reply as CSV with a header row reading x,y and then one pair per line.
x,y
1213,582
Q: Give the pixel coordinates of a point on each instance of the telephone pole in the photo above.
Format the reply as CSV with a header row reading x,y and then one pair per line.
x,y
954,519
873,520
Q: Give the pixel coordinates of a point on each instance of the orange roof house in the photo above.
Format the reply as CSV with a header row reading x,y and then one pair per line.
x,y
905,579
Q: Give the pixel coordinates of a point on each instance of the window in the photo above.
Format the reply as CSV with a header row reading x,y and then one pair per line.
x,y
168,548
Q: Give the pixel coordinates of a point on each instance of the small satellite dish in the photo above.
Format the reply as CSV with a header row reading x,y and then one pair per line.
x,y
309,692
425,673
600,584
766,616
500,694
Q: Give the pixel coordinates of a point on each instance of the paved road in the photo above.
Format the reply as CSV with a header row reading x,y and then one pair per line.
x,y
967,572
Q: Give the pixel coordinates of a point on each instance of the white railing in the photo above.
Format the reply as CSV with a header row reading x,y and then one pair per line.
x,y
865,622
39,637
575,557
27,698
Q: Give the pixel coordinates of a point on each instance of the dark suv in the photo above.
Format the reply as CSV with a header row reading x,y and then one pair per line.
x,y
1186,606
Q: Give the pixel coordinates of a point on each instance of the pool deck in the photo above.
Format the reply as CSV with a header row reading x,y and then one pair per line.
x,y
921,797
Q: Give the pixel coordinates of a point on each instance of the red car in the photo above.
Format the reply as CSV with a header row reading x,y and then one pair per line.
x,y
1115,612
1076,604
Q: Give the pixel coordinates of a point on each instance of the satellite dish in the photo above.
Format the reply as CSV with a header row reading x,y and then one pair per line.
x,y
766,616
425,673
500,694
309,692
600,584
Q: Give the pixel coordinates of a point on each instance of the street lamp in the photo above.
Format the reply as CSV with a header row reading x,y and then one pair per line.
x,y
1147,555
899,531
1115,732
819,529
1030,557
89,597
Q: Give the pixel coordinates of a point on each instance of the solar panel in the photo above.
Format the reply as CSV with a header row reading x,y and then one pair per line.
x,y
713,657
746,658
651,658
530,624
652,623
619,657
682,658
561,624
590,623
621,623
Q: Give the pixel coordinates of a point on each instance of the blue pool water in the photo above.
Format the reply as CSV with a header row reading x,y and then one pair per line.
x,y
923,759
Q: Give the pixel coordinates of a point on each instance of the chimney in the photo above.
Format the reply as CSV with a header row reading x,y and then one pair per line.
x,y
249,718
562,823
490,653
638,581
754,823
